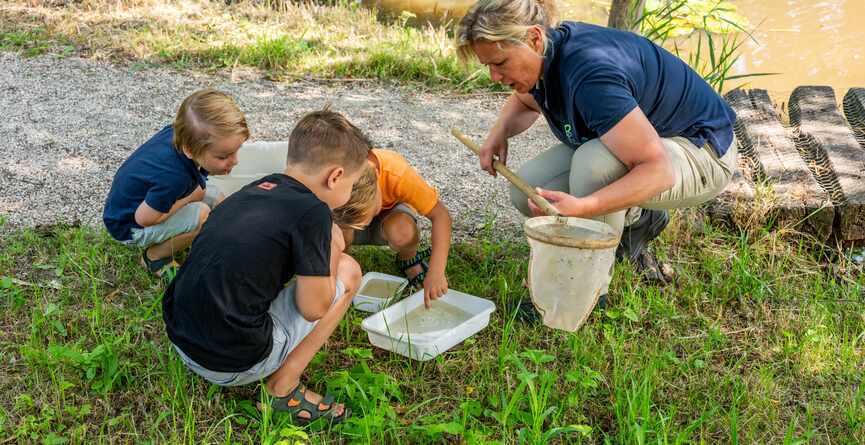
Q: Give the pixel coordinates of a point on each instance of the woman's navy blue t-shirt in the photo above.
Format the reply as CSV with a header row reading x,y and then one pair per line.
x,y
593,76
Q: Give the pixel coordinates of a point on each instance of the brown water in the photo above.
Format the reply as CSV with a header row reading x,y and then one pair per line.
x,y
380,288
810,42
439,316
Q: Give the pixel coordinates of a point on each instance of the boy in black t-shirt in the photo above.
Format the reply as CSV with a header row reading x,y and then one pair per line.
x,y
229,313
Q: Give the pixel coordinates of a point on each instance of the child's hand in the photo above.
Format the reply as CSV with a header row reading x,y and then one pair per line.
x,y
434,286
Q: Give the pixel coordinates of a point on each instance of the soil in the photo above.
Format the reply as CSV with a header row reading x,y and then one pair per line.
x,y
70,122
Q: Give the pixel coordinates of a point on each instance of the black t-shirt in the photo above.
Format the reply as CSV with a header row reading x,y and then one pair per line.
x,y
215,309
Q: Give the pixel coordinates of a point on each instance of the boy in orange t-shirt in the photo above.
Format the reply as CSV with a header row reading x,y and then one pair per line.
x,y
403,194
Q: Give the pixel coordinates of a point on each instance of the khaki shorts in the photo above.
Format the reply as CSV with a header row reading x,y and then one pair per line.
x,y
700,175
185,220
289,329
372,234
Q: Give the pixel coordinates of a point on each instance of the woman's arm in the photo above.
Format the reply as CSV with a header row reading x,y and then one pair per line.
x,y
516,116
635,142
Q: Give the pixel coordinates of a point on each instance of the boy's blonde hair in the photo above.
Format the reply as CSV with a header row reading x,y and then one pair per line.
x,y
503,21
364,197
205,117
326,137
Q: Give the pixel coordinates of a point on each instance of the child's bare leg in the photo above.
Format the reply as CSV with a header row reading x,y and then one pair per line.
x,y
170,247
219,199
286,378
401,233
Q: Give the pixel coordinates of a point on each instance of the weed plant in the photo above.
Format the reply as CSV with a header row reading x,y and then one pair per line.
x,y
286,40
279,40
759,340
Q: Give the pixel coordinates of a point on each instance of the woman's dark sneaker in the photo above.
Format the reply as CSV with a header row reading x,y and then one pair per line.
x,y
636,236
528,314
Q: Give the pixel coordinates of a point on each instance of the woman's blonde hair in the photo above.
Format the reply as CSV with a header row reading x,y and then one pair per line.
x,y
205,117
503,21
364,196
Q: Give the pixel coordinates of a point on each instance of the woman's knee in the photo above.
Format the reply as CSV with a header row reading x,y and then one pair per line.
x,y
548,170
593,167
520,200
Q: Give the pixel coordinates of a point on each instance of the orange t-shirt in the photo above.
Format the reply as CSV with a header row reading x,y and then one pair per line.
x,y
400,183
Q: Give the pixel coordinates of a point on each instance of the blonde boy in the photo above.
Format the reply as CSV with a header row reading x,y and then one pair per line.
x,y
403,194
229,313
159,198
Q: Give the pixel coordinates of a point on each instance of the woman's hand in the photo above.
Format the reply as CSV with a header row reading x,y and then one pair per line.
x,y
494,147
566,204
517,115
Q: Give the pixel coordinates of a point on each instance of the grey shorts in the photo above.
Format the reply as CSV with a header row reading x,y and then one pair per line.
x,y
184,221
289,329
372,234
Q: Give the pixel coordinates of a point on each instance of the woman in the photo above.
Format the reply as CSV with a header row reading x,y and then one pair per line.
x,y
639,129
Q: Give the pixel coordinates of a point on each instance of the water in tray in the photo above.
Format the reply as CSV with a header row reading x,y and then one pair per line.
x,y
380,288
420,320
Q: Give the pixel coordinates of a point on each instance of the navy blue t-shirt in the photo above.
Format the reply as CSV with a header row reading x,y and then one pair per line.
x,y
155,173
594,76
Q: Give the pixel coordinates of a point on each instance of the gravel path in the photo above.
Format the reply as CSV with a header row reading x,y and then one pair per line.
x,y
69,123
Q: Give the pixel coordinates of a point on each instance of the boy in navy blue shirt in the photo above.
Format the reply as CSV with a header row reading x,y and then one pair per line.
x,y
159,198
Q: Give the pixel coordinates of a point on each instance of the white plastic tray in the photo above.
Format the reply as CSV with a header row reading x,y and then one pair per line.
x,y
255,160
369,303
426,346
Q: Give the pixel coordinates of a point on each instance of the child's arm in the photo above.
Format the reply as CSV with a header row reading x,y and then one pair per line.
x,y
348,237
146,216
315,293
436,284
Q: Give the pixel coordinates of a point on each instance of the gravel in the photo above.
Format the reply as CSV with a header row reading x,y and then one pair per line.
x,y
70,122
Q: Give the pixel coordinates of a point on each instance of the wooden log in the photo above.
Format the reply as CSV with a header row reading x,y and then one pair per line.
x,y
797,200
854,111
833,154
734,205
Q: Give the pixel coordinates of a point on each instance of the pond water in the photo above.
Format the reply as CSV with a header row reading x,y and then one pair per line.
x,y
440,316
380,288
808,42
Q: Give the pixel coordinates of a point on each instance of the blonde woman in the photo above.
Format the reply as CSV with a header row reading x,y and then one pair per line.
x,y
640,131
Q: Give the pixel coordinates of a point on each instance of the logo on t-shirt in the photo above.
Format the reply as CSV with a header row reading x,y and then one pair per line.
x,y
569,132
267,185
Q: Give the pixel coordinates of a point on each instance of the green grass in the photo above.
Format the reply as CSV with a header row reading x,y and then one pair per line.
x,y
285,40
33,42
282,40
760,340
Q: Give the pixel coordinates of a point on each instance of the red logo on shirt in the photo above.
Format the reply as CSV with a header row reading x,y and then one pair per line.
x,y
266,185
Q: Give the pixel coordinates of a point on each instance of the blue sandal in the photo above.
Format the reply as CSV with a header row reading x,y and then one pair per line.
x,y
156,267
422,258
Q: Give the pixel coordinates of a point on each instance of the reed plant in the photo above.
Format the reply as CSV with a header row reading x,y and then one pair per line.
x,y
712,42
